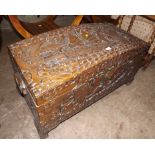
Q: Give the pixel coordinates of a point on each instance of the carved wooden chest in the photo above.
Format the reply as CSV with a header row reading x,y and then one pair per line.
x,y
61,72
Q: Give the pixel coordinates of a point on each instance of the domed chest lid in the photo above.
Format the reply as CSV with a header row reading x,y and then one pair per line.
x,y
50,59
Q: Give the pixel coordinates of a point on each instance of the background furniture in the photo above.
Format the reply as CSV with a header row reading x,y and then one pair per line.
x,y
142,27
27,29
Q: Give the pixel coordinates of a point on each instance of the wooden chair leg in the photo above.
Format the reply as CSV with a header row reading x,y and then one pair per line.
x,y
131,23
93,18
17,25
120,20
77,20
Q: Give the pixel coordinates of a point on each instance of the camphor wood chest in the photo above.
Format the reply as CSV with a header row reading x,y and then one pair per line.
x,y
61,72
